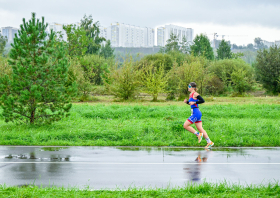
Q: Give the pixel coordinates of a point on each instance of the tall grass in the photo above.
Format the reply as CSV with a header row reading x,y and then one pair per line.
x,y
140,125
190,190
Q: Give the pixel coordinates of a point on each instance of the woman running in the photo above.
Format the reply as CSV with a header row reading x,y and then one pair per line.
x,y
193,101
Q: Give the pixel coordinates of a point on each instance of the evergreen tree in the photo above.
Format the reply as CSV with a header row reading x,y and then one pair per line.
x,y
3,42
92,32
107,51
202,47
185,48
224,51
36,92
172,44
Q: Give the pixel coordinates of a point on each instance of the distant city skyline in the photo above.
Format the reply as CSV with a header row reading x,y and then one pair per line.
x,y
106,33
254,18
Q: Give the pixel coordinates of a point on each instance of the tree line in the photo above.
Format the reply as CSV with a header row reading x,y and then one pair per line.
x,y
44,74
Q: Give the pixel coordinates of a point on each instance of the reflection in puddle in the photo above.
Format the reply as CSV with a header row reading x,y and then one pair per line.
x,y
21,156
59,159
53,148
51,158
111,166
193,170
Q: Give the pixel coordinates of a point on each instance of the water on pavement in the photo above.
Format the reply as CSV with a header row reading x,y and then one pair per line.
x,y
122,167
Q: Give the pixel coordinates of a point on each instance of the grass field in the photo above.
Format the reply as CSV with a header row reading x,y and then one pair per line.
x,y
228,121
202,190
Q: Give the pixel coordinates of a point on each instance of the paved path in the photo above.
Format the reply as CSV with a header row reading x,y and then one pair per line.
x,y
111,167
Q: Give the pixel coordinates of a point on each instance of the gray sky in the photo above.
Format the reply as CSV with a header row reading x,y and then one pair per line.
x,y
254,18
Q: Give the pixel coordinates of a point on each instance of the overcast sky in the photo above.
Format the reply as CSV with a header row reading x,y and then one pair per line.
x,y
244,19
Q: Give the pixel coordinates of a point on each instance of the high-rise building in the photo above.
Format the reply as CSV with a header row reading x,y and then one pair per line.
x,y
268,43
163,34
57,27
105,32
9,32
124,35
150,38
160,36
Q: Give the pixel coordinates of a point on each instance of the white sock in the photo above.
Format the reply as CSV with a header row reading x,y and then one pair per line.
x,y
208,140
196,133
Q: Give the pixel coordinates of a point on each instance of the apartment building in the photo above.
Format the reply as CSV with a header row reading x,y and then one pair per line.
x,y
57,27
268,43
125,35
163,33
277,43
9,32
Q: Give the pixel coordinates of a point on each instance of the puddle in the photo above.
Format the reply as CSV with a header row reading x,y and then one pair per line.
x,y
108,167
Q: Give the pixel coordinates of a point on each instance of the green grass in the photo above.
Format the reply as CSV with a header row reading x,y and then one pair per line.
x,y
151,125
191,190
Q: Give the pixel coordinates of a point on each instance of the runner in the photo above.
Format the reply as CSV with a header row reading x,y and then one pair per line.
x,y
193,101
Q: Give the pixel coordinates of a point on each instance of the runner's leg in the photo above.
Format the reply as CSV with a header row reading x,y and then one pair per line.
x,y
188,127
201,130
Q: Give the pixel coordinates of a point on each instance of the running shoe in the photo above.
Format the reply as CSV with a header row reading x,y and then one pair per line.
x,y
209,145
200,136
198,159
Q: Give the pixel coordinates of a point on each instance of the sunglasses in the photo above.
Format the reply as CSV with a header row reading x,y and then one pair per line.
x,y
189,86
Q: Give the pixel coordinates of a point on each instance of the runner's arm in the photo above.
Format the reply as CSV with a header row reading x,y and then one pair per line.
x,y
186,101
200,100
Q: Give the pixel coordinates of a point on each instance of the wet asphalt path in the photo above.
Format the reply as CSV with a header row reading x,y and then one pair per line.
x,y
111,167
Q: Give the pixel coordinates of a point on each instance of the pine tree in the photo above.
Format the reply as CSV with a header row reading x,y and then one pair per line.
x,y
224,51
172,44
36,93
185,48
202,47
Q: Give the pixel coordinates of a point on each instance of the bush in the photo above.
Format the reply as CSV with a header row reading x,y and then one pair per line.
x,y
157,60
193,69
172,83
97,65
234,73
123,82
5,68
178,57
214,85
268,69
154,80
76,74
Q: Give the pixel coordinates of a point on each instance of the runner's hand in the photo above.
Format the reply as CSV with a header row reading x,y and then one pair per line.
x,y
191,103
186,100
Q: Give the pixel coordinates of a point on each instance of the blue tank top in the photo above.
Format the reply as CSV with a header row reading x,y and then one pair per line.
x,y
191,99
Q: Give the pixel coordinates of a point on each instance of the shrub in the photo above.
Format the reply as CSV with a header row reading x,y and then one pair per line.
x,y
231,72
178,57
191,72
157,60
97,65
268,69
154,80
214,85
124,81
193,69
76,74
5,68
